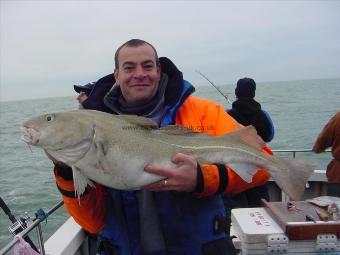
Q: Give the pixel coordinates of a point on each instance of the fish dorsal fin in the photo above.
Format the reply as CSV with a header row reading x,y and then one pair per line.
x,y
249,136
140,121
179,130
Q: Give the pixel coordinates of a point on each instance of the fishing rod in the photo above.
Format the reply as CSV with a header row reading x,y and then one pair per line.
x,y
205,77
18,225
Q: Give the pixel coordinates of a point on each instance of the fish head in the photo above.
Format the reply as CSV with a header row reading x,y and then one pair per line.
x,y
56,131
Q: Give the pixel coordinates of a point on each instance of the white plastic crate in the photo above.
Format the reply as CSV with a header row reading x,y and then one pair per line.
x,y
258,233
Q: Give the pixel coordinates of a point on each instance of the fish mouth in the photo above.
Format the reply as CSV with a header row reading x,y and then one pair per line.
x,y
30,135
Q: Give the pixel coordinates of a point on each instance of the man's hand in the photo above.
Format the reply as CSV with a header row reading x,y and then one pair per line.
x,y
181,178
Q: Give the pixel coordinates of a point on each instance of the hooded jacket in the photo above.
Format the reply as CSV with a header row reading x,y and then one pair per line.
x,y
97,93
330,137
247,111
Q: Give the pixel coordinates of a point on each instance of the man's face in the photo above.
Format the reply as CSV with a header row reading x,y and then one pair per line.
x,y
138,74
81,98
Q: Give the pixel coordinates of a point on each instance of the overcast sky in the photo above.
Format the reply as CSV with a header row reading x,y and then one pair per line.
x,y
47,46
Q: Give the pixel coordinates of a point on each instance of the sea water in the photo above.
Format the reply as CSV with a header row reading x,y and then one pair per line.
x,y
299,110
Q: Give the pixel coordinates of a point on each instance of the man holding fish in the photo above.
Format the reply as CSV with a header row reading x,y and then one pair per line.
x,y
172,206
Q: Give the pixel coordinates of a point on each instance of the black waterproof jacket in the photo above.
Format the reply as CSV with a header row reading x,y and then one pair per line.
x,y
247,111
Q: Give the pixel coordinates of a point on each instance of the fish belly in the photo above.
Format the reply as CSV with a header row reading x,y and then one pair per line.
x,y
119,169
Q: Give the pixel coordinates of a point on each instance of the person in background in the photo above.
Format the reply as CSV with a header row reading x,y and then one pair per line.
x,y
83,93
90,98
183,214
91,95
330,137
247,111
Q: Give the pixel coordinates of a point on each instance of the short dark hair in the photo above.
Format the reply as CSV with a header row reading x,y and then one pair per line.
x,y
134,43
245,88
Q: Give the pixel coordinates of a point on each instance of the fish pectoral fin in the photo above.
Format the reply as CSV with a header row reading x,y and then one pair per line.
x,y
244,170
101,155
80,181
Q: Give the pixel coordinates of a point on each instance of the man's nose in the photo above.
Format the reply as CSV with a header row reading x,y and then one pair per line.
x,y
140,73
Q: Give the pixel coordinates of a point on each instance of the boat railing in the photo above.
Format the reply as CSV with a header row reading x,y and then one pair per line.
x,y
36,223
294,151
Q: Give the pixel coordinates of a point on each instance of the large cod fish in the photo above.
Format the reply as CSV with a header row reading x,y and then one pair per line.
x,y
114,149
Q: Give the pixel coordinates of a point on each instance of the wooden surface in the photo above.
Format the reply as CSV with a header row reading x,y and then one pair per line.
x,y
294,222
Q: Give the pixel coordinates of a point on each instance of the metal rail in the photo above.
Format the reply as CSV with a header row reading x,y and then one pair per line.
x,y
35,224
294,151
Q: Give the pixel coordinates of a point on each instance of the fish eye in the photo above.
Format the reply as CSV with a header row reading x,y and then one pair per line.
x,y
49,117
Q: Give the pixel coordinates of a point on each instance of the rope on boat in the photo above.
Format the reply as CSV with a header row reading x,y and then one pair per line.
x,y
41,215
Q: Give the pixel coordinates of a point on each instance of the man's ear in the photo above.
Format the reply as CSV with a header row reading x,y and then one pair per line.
x,y
159,69
116,74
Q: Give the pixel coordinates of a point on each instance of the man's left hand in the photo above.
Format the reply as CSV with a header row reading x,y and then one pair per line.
x,y
181,178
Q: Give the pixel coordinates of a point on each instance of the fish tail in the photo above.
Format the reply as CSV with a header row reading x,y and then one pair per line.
x,y
293,180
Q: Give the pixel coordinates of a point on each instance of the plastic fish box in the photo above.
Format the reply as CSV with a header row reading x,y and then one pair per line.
x,y
258,233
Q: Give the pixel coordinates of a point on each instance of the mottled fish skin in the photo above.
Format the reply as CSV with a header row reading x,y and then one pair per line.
x,y
114,149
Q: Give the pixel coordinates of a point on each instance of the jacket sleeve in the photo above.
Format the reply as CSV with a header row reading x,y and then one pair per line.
x,y
326,137
89,210
216,121
268,127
